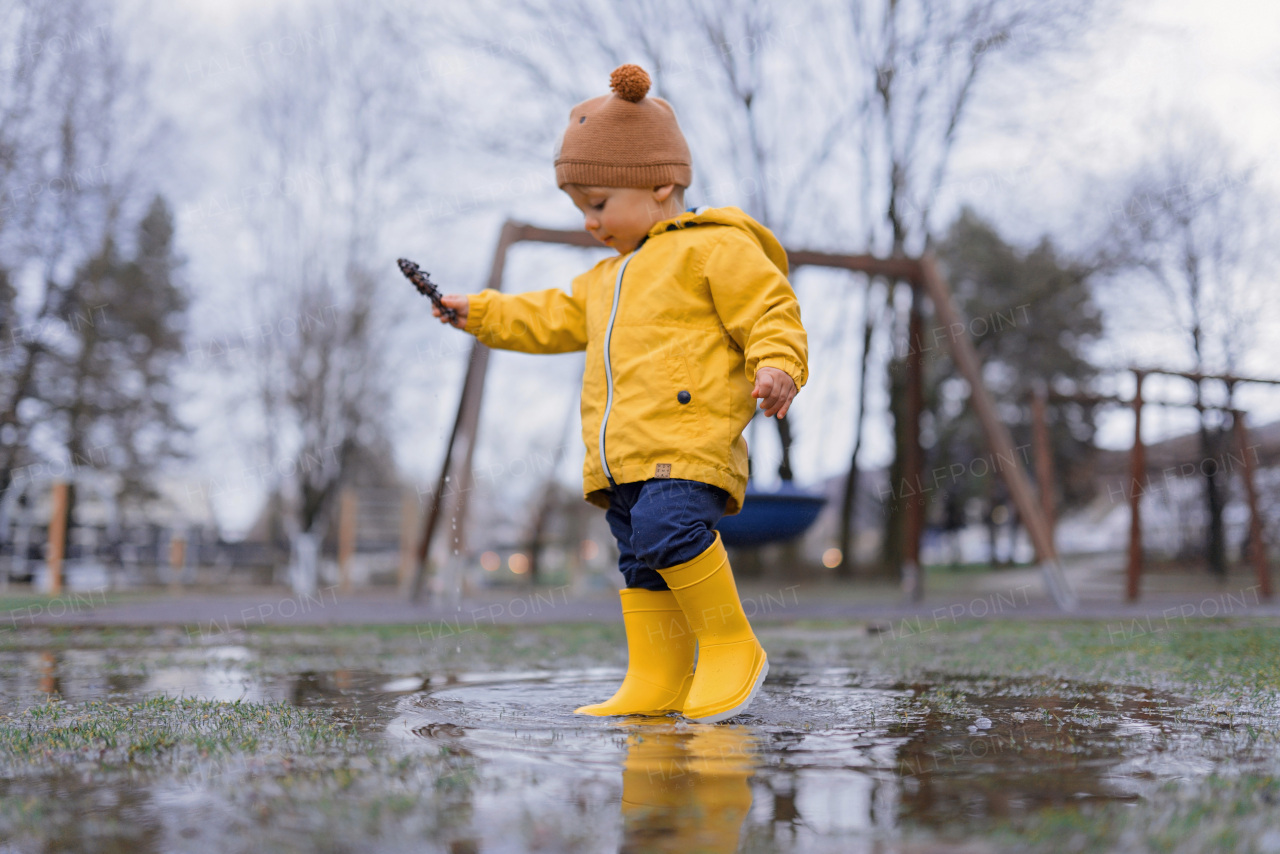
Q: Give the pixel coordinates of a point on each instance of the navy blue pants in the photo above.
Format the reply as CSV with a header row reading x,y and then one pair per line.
x,y
660,523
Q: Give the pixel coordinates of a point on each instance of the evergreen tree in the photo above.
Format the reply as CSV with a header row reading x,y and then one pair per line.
x,y
1031,317
113,387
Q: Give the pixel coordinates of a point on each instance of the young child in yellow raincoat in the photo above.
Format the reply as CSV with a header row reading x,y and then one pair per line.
x,y
688,326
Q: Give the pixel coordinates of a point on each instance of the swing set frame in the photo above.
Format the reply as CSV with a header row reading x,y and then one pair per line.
x,y
926,282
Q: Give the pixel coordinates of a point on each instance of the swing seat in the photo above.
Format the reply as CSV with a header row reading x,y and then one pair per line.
x,y
771,517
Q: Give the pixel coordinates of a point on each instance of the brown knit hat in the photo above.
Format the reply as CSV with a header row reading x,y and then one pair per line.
x,y
624,139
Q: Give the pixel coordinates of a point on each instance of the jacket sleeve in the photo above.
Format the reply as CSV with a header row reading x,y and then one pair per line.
x,y
547,321
757,306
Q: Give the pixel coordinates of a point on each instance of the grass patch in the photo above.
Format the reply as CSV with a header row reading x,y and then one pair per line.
x,y
1217,813
161,731
253,774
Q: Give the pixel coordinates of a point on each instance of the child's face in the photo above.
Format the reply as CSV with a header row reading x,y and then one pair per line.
x,y
620,217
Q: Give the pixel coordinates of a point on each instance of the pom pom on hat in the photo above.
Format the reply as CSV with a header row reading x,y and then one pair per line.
x,y
625,139
629,82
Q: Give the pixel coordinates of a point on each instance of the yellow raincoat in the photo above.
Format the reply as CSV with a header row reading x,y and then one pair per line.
x,y
674,332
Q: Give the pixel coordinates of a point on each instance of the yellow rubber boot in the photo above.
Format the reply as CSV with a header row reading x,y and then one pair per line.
x,y
731,663
660,650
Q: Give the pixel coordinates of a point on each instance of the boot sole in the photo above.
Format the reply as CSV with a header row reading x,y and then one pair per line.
x,y
723,716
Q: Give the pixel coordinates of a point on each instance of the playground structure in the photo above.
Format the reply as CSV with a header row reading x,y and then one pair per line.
x,y
767,517
377,536
1139,481
925,280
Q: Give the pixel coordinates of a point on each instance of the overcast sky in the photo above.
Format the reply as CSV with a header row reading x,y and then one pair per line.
x,y
1219,60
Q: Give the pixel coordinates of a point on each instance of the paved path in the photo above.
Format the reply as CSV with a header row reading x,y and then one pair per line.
x,y
1014,594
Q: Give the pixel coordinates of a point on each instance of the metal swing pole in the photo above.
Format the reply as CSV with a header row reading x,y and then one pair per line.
x,y
998,437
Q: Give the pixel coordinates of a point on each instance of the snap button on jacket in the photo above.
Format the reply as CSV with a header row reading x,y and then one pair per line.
x,y
702,304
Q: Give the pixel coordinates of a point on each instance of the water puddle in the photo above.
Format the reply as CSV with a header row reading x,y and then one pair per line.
x,y
819,754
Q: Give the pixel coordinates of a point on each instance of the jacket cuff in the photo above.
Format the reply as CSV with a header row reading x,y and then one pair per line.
x,y
477,308
790,367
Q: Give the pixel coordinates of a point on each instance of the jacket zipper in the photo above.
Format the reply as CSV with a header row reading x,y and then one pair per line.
x,y
608,368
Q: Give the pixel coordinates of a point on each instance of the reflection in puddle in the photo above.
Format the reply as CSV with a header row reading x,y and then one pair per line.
x,y
687,788
220,673
818,756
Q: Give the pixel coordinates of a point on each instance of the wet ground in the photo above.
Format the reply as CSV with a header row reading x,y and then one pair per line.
x,y
979,736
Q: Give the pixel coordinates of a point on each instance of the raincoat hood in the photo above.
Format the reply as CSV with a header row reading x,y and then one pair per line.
x,y
736,218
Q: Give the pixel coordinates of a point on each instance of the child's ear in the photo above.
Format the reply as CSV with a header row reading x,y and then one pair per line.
x,y
661,193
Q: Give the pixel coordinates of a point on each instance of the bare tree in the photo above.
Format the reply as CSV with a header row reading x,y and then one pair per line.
x,y
75,134
335,131
111,391
717,64
1195,226
917,69
791,110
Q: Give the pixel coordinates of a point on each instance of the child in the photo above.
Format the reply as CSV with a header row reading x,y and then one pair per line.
x,y
690,321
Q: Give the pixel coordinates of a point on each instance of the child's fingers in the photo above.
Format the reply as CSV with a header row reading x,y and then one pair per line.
x,y
775,393
791,396
780,403
764,386
459,304
771,403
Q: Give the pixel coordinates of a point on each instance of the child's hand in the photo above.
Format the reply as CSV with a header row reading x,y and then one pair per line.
x,y
776,391
460,306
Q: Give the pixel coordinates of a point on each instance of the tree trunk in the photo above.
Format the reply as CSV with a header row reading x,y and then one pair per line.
x,y
537,539
1215,546
71,520
892,551
1215,539
1015,525
304,564
849,507
993,540
848,565
784,435
6,480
